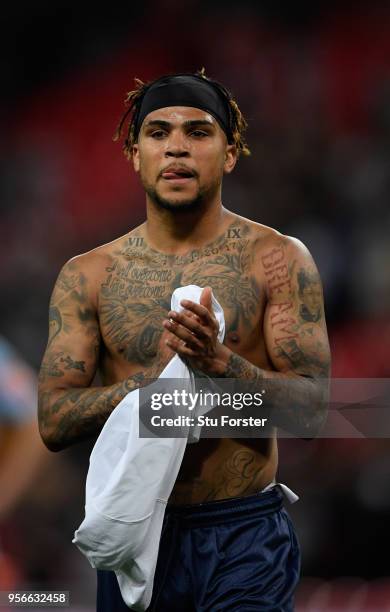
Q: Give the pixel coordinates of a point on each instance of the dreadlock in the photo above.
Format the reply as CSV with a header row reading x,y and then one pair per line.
x,y
133,103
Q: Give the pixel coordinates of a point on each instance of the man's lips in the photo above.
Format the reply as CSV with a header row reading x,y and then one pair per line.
x,y
177,174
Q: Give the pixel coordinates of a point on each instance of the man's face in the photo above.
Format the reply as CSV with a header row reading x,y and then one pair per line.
x,y
181,156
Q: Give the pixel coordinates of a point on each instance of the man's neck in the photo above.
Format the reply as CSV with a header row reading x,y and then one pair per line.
x,y
177,232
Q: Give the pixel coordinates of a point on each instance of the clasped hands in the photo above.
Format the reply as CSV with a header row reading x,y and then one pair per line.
x,y
194,336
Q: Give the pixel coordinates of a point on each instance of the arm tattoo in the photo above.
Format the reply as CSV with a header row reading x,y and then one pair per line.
x,y
295,403
55,323
309,291
77,414
302,363
238,367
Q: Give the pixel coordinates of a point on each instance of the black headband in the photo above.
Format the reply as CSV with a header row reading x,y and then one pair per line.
x,y
185,90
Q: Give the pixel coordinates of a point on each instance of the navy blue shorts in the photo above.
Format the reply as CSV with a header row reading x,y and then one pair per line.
x,y
231,555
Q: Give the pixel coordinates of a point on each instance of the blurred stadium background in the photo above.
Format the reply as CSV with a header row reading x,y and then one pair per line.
x,y
313,80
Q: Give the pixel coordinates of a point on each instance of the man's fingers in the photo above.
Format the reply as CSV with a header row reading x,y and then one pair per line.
x,y
183,334
205,299
201,311
180,347
190,321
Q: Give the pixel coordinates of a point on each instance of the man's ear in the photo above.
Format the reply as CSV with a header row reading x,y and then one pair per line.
x,y
135,157
230,158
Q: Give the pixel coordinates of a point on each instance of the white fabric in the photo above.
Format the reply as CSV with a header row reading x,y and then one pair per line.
x,y
129,482
288,493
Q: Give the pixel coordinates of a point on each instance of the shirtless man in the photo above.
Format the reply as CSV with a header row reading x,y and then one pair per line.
x,y
110,310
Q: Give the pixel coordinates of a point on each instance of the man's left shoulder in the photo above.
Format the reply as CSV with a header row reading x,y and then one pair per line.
x,y
268,239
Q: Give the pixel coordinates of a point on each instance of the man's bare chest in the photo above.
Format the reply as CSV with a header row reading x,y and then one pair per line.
x,y
136,288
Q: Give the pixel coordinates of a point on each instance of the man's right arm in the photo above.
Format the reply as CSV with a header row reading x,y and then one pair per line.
x,y
69,411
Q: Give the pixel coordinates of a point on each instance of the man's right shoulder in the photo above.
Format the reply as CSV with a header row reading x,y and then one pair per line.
x,y
93,262
86,270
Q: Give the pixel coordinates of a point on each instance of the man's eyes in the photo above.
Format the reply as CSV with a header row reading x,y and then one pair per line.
x,y
198,133
160,134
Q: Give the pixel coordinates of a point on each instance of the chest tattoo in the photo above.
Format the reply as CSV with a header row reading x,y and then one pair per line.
x,y
135,293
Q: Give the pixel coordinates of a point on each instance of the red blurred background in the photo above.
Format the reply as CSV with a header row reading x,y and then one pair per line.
x,y
314,83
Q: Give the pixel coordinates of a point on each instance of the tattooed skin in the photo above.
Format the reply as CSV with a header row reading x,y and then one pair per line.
x,y
295,404
136,292
55,322
56,364
235,476
81,412
296,304
111,319
297,346
310,295
133,297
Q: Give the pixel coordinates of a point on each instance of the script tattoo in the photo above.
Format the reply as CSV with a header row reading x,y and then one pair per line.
x,y
133,298
278,276
292,318
297,344
136,291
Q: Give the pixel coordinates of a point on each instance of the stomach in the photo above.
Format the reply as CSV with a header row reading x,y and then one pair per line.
x,y
215,469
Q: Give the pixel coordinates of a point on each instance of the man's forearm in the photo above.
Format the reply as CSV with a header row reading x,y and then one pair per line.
x,y
297,404
67,416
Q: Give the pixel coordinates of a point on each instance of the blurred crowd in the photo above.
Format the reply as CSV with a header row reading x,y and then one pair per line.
x,y
317,101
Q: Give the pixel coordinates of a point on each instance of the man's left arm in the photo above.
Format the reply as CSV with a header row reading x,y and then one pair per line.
x,y
296,340
295,336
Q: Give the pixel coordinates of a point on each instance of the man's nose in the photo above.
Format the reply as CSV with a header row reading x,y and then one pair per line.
x,y
177,145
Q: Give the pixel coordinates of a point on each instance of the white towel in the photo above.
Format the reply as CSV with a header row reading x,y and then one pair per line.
x,y
129,482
